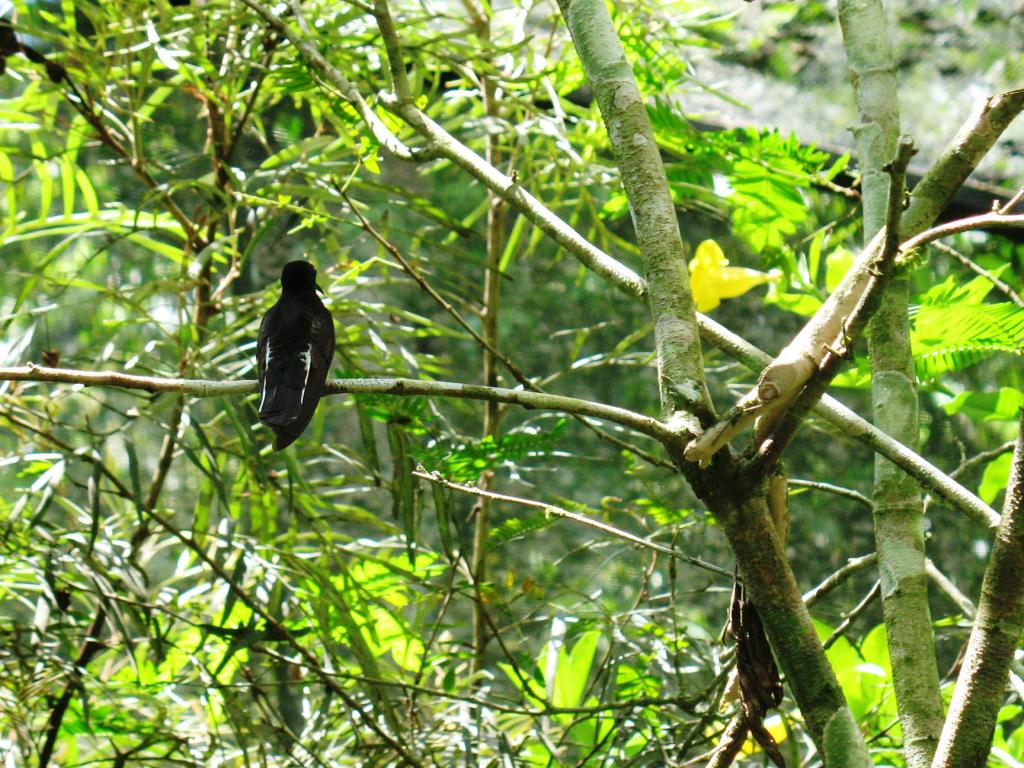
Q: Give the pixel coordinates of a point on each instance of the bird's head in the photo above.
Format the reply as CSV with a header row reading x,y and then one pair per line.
x,y
298,276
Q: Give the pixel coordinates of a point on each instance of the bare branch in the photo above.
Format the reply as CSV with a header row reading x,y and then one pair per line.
x,y
853,565
872,595
647,425
984,221
838,490
551,509
1012,202
846,421
977,269
952,591
975,138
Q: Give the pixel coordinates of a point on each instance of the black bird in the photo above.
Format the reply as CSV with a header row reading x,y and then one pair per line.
x,y
294,354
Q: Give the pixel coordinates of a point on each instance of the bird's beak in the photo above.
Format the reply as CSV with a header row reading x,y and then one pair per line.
x,y
321,290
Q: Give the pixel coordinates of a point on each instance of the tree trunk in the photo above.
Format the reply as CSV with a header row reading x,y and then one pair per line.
x,y
898,509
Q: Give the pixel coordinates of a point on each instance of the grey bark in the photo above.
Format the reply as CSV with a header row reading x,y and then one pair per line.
x,y
898,506
676,336
981,687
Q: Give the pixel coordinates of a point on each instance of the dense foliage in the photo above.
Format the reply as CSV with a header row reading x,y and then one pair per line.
x,y
173,592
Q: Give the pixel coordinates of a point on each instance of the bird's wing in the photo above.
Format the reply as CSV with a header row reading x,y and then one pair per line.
x,y
263,358
321,335
284,354
261,346
316,364
284,385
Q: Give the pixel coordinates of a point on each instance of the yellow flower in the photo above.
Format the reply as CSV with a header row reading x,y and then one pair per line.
x,y
712,279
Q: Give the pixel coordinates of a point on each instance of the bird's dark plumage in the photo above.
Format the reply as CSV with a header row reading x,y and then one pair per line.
x,y
294,354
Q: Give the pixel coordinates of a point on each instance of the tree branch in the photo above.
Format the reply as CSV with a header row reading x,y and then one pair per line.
x,y
852,426
551,509
838,490
975,138
967,735
853,565
877,275
848,423
647,425
802,371
852,616
984,221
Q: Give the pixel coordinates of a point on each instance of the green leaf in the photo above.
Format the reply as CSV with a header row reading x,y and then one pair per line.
x,y
995,478
574,670
1002,405
837,264
465,462
517,527
403,492
10,192
951,331
307,149
443,510
802,304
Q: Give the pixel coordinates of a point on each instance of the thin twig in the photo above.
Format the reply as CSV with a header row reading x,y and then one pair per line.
x,y
968,464
415,274
1012,202
435,477
816,485
983,458
853,565
963,602
977,269
852,616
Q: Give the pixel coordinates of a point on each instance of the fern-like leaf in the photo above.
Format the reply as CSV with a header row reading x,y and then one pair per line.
x,y
950,335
